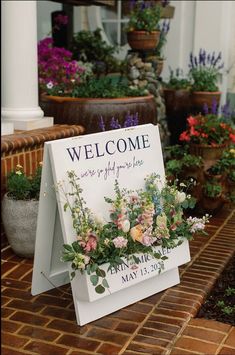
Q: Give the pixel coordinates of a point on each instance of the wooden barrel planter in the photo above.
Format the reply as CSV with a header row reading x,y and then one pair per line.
x,y
87,111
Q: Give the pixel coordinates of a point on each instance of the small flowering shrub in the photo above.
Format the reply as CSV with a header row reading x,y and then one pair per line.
x,y
58,73
139,221
209,130
22,187
204,71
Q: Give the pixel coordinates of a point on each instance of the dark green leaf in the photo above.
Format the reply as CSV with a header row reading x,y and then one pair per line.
x,y
100,272
100,289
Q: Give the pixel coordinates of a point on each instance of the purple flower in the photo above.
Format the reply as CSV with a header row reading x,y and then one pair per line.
x,y
114,124
101,124
214,107
205,109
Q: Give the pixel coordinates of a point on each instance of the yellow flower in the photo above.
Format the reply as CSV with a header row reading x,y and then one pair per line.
x,y
136,233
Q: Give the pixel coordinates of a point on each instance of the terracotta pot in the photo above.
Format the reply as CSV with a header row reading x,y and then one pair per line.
x,y
143,40
209,153
87,112
200,98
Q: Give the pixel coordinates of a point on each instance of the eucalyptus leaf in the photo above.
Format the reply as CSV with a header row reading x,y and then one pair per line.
x,y
100,289
94,279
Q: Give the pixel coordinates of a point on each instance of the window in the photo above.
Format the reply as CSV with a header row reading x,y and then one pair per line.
x,y
112,22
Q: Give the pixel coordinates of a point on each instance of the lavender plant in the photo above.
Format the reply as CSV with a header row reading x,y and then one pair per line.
x,y
130,120
164,29
204,70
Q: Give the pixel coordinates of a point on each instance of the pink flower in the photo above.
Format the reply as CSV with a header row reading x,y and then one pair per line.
x,y
120,242
90,243
184,136
192,121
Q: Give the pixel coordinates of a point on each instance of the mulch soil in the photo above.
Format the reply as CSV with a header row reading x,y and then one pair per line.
x,y
220,303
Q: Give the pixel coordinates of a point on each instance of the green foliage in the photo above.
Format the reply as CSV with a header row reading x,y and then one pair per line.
x,y
212,189
22,187
185,160
106,87
145,16
177,81
204,79
89,46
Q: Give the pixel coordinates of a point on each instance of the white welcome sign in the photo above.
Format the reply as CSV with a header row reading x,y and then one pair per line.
x,y
129,155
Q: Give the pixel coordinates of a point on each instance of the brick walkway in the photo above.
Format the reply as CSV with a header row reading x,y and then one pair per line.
x,y
161,324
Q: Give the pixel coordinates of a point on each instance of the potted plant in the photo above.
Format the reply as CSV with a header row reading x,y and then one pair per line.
x,y
73,95
212,196
177,97
142,29
208,136
140,224
20,209
88,46
204,72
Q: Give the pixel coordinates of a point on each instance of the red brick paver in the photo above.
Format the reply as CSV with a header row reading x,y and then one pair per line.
x,y
161,324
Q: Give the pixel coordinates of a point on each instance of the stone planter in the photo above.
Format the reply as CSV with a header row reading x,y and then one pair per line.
x,y
87,111
129,274
20,222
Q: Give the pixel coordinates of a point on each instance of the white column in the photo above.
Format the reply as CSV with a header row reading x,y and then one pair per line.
x,y
19,66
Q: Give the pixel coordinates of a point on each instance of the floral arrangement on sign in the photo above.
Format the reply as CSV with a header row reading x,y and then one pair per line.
x,y
209,129
23,187
139,221
204,71
144,16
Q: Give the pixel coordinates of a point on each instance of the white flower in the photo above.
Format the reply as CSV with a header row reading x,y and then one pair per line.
x,y
49,85
125,225
180,197
18,172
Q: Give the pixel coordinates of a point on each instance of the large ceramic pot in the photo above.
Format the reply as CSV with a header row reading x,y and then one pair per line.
x,y
143,40
87,112
178,105
200,98
209,153
19,219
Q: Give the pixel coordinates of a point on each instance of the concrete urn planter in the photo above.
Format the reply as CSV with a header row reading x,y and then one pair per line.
x,y
20,222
